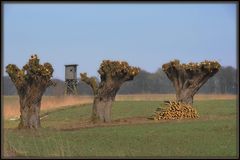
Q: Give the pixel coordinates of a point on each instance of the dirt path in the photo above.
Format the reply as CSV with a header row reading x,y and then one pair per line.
x,y
89,124
133,120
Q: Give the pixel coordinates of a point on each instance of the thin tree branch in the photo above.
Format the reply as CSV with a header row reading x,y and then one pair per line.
x,y
90,81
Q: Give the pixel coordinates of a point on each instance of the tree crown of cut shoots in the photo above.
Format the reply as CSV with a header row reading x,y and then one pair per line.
x,y
117,69
205,65
113,74
31,71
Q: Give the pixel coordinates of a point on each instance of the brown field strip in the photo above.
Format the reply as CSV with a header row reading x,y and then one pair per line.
x,y
131,121
12,110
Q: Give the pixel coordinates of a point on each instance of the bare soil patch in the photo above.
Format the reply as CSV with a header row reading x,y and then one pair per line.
x,y
118,122
133,120
89,124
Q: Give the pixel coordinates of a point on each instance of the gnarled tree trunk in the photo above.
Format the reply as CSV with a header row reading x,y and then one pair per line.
x,y
185,96
101,110
29,117
30,103
113,75
187,79
31,82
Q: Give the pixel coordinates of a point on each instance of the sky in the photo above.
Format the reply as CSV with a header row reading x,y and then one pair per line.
x,y
144,35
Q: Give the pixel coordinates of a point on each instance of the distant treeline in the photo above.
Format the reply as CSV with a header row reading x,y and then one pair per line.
x,y
225,81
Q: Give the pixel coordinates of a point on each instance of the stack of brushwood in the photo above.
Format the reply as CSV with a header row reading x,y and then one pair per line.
x,y
175,110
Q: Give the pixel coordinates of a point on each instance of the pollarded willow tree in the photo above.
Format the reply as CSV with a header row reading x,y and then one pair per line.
x,y
189,78
31,82
113,74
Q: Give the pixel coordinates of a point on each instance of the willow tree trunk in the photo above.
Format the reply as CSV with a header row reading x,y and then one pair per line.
x,y
186,89
103,100
29,110
102,110
185,96
30,103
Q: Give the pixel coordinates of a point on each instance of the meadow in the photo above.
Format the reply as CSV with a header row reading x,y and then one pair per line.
x,y
12,109
64,132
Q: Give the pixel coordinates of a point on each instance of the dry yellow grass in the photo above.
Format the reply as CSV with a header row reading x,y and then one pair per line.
x,y
162,97
12,108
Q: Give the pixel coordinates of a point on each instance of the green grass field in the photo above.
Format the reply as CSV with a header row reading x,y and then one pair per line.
x,y
213,134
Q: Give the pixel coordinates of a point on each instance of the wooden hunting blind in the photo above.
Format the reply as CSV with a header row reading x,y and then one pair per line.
x,y
71,79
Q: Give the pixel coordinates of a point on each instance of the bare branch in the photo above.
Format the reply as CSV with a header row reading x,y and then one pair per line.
x,y
16,75
90,81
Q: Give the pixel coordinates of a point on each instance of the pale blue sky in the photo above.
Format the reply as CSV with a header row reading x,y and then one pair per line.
x,y
144,35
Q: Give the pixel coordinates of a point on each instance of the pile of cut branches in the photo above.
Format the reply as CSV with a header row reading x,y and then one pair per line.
x,y
175,110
